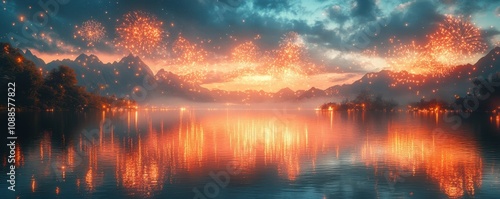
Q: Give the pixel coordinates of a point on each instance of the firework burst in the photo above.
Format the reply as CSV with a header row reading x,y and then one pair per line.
x,y
454,42
90,31
188,53
141,33
456,38
190,59
290,57
245,53
413,58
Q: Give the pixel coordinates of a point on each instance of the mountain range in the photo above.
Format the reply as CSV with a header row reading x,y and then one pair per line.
x,y
131,73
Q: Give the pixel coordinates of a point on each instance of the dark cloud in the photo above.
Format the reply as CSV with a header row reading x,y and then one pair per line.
x,y
342,78
417,20
272,4
336,14
364,8
319,34
470,7
490,33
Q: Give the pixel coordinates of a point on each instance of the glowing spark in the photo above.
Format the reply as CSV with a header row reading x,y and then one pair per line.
x,y
245,53
190,59
410,57
90,31
291,57
141,33
456,38
454,42
187,52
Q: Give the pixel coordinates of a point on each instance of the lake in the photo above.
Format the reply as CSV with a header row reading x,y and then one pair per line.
x,y
253,154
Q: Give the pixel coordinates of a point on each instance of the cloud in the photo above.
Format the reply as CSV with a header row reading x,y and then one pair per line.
x,y
342,78
336,14
413,23
364,8
466,8
272,4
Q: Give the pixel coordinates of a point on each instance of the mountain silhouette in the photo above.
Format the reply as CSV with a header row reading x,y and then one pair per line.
x,y
120,78
406,87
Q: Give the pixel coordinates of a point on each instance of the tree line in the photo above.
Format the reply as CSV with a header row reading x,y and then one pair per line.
x,y
57,90
363,101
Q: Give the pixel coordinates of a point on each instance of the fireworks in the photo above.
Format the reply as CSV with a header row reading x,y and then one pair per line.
x,y
290,57
245,53
141,33
287,64
90,31
413,58
455,39
188,53
290,51
454,42
190,59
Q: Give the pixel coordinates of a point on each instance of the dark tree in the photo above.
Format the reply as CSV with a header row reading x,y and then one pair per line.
x,y
15,68
58,90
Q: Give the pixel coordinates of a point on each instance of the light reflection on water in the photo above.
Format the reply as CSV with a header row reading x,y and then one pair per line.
x,y
280,153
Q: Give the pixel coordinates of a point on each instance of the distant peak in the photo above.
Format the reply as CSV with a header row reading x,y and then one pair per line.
x,y
287,89
131,58
495,50
28,53
161,71
81,57
87,58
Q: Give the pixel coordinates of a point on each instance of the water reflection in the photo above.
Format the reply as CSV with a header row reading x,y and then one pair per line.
x,y
451,161
144,154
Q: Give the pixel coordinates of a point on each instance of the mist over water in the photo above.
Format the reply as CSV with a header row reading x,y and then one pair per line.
x,y
177,103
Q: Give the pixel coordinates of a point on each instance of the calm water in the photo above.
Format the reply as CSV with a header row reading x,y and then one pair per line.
x,y
254,154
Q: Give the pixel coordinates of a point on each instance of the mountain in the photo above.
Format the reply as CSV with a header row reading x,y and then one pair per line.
x,y
285,94
29,56
312,93
130,73
117,78
172,85
406,87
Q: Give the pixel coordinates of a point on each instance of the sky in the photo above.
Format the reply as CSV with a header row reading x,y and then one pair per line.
x,y
341,40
